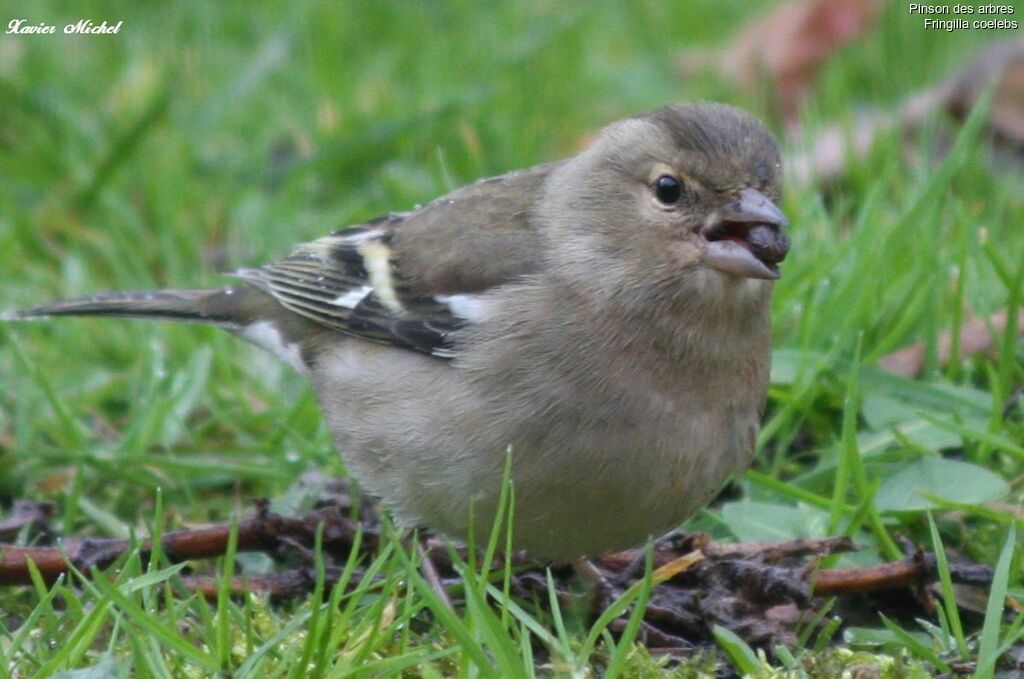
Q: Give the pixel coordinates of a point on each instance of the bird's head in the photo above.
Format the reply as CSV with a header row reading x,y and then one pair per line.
x,y
684,193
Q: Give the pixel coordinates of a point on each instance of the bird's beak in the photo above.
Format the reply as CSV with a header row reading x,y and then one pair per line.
x,y
746,237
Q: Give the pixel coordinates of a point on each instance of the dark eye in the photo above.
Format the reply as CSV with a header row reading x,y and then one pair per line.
x,y
668,189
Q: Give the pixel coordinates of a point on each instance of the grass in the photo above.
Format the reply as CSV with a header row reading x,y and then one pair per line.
x,y
205,137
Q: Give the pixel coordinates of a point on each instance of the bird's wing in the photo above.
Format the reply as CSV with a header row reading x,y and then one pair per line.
x,y
413,279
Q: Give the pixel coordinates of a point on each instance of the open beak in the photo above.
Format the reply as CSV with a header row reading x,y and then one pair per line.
x,y
746,237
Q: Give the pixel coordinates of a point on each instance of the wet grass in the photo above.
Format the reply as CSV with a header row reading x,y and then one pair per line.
x,y
205,137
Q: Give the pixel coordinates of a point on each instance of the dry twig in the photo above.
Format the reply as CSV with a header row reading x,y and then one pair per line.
x,y
758,590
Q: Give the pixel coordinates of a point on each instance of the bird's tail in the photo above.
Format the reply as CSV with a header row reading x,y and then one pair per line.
x,y
217,306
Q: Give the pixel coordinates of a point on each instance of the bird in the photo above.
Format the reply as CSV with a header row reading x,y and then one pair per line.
x,y
600,324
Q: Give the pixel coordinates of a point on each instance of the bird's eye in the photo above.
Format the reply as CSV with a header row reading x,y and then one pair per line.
x,y
668,189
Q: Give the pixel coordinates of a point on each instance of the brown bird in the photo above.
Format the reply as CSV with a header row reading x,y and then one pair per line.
x,y
604,320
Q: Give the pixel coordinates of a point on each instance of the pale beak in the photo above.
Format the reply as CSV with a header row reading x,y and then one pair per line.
x,y
747,238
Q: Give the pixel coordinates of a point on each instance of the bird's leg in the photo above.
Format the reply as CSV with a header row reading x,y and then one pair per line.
x,y
630,571
603,589
428,567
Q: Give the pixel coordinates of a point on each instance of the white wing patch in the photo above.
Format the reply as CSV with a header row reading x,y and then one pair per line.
x,y
265,335
472,308
352,298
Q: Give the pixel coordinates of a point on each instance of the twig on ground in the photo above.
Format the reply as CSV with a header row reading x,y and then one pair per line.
x,y
759,590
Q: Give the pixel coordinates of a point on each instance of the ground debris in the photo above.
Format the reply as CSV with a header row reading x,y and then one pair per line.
x,y
785,48
763,592
29,521
979,335
829,150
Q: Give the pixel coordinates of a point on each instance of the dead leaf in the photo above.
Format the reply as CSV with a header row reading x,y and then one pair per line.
x,y
676,566
975,338
761,591
787,46
828,152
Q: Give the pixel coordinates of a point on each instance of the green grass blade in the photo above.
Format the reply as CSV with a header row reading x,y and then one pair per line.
x,y
948,593
989,638
737,651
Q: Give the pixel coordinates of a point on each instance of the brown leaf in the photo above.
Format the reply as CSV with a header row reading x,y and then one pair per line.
x,y
676,566
829,151
1002,65
975,338
788,45
27,515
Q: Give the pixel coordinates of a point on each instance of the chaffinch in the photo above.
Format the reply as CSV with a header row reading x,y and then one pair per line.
x,y
603,319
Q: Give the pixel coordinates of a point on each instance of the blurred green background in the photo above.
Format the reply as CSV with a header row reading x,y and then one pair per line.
x,y
209,136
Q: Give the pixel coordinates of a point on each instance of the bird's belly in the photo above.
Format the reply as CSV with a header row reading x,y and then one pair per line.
x,y
598,495
590,478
